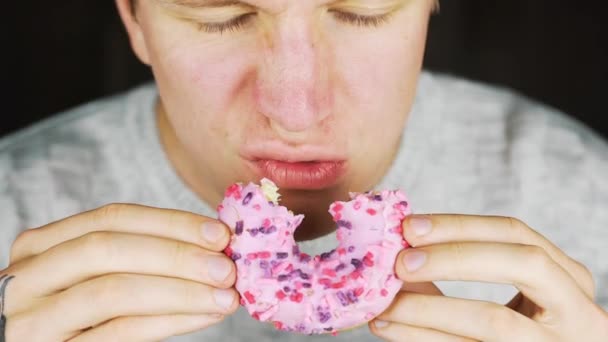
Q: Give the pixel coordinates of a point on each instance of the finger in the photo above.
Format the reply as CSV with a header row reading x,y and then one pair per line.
x,y
147,328
529,268
392,331
100,253
101,299
424,230
473,319
128,218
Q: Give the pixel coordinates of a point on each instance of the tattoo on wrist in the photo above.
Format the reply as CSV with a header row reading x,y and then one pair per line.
x,y
4,280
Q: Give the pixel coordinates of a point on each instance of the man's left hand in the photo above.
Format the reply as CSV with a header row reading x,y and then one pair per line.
x,y
555,302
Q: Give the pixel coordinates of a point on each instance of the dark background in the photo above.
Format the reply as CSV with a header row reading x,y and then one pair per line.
x,y
63,53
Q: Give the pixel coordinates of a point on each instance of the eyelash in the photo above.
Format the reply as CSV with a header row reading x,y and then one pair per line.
x,y
361,20
231,25
239,22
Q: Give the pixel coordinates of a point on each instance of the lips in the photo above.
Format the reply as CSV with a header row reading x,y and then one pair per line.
x,y
302,167
309,175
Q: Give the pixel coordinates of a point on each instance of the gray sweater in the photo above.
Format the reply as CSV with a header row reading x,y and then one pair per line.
x,y
468,148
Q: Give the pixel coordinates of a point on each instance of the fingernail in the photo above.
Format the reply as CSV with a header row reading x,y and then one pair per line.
x,y
218,268
380,324
414,260
213,231
223,298
421,225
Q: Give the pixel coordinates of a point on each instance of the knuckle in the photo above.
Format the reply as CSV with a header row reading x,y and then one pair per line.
x,y
537,255
174,218
93,240
110,212
585,279
193,294
110,288
97,246
19,246
518,229
458,253
180,253
497,318
536,258
461,225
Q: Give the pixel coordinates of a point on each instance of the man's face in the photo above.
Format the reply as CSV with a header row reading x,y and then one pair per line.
x,y
313,94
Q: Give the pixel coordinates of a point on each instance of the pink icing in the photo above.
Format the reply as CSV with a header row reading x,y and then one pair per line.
x,y
336,290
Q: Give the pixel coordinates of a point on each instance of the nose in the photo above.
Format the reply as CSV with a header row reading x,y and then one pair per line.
x,y
292,86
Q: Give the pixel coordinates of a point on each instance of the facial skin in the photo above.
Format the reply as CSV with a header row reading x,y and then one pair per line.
x,y
296,74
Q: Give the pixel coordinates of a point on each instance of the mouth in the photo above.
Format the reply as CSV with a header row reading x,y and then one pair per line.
x,y
304,168
303,175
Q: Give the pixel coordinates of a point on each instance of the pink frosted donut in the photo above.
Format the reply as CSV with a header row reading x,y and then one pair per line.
x,y
336,290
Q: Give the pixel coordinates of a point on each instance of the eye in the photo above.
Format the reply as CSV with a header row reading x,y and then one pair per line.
x,y
231,25
361,20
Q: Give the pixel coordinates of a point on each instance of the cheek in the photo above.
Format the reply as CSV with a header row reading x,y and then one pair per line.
x,y
379,74
206,84
201,82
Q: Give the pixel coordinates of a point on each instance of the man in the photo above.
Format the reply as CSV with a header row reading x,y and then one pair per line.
x,y
323,97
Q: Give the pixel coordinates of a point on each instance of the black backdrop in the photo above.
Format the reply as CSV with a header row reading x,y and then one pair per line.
x,y
62,53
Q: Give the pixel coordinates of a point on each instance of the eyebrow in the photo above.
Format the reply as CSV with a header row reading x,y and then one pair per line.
x,y
201,3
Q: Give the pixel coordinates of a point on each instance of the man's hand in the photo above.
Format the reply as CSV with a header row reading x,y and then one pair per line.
x,y
120,272
555,302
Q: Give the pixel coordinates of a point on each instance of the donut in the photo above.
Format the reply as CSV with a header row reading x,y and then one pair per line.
x,y
336,290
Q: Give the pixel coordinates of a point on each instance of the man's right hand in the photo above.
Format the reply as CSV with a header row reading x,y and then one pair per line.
x,y
120,272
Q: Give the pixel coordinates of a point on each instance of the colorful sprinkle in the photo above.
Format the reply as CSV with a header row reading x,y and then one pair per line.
x,y
296,297
250,298
324,317
345,224
238,229
343,299
247,198
233,190
328,272
305,257
340,267
282,255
